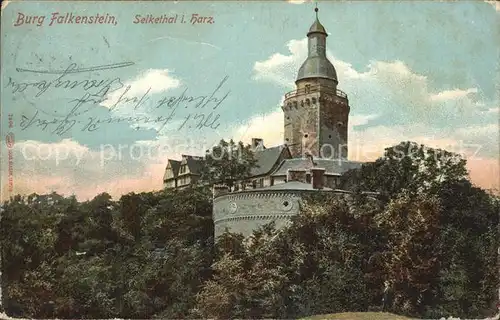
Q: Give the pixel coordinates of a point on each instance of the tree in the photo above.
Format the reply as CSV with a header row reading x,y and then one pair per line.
x,y
228,163
407,166
246,282
143,256
438,230
412,257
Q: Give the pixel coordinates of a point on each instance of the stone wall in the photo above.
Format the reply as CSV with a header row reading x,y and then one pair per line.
x,y
244,212
314,119
334,117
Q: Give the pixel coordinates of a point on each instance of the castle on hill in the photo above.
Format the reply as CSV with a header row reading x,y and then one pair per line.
x,y
312,158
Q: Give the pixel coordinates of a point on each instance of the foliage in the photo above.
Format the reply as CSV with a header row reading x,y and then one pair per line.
x,y
311,267
144,255
227,163
407,166
424,246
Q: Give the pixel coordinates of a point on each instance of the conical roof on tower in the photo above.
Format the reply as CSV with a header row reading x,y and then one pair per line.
x,y
317,64
317,26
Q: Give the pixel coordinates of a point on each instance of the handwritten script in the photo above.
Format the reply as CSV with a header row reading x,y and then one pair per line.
x,y
124,103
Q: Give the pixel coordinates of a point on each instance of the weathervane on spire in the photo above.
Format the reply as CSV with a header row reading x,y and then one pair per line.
x,y
316,9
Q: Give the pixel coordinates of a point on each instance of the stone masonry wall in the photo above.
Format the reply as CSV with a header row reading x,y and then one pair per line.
x,y
244,212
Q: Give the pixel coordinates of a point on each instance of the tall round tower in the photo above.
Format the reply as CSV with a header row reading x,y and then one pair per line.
x,y
316,113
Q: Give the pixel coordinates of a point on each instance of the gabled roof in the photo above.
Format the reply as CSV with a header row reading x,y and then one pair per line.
x,y
174,165
331,166
267,159
193,163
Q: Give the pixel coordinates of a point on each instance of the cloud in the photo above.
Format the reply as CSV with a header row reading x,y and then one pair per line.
x,y
68,167
298,1
279,68
361,119
495,4
369,144
395,93
452,94
391,103
150,81
267,126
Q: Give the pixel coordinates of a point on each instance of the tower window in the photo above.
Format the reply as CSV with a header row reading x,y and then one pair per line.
x,y
306,135
314,100
330,136
340,123
308,88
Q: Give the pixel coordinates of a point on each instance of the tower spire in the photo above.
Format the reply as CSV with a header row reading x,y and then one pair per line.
x,y
317,64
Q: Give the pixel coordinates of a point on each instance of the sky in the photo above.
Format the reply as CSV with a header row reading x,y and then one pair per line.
x,y
94,108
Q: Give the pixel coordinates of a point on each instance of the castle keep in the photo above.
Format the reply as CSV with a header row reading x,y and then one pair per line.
x,y
312,158
316,114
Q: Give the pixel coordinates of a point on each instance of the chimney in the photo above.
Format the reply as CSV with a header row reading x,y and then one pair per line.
x,y
296,175
257,144
318,178
219,190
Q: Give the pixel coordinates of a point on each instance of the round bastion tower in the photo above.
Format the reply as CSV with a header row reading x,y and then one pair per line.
x,y
316,113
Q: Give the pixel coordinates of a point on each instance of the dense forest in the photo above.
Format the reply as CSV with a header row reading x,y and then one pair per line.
x,y
425,246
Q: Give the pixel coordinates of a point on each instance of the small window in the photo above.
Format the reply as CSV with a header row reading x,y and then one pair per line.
x,y
285,203
308,88
306,135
